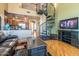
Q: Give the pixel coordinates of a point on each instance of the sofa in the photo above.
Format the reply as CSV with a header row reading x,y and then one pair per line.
x,y
5,51
7,44
4,38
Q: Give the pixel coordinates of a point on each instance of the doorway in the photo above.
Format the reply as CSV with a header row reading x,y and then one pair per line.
x,y
33,27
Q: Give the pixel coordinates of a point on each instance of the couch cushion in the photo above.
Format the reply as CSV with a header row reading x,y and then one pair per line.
x,y
8,44
4,51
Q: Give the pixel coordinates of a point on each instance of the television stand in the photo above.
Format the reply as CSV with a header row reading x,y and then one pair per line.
x,y
69,36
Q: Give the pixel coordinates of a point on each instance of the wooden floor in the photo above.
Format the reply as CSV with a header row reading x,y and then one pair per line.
x,y
59,48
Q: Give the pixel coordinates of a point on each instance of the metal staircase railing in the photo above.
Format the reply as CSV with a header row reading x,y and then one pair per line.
x,y
43,28
46,27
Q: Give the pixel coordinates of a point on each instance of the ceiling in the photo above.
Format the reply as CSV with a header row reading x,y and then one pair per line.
x,y
29,6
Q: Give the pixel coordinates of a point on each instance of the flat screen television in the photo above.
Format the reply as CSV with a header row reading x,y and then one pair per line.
x,y
71,23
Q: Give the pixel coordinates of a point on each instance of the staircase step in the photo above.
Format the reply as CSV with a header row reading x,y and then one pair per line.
x,y
40,12
45,13
44,37
43,33
49,16
49,26
50,20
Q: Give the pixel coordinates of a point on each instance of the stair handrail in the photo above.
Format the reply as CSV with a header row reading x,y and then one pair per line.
x,y
42,23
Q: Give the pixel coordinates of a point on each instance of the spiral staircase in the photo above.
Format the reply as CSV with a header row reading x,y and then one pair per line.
x,y
46,27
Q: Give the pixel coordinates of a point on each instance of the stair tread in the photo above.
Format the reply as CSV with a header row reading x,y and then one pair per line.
x,y
49,16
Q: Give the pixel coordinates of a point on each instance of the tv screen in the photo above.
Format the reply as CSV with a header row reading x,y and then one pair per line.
x,y
63,24
69,23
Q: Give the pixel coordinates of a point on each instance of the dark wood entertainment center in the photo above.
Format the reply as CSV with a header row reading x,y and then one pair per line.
x,y
69,35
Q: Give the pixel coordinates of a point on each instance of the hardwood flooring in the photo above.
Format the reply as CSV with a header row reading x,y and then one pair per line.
x,y
59,48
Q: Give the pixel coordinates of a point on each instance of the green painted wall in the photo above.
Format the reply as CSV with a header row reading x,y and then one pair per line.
x,y
50,9
65,11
